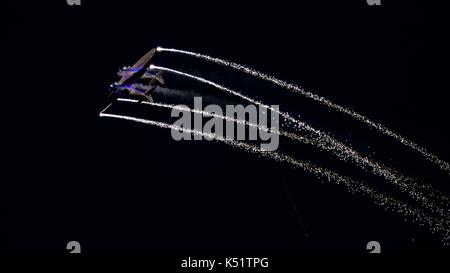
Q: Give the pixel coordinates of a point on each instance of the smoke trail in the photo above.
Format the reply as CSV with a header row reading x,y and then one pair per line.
x,y
296,89
186,95
339,149
435,225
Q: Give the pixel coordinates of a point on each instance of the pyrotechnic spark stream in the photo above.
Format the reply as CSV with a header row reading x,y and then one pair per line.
x,y
429,202
205,113
106,108
339,149
296,89
434,224
226,118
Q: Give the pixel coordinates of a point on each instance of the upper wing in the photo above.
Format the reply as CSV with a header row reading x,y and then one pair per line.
x,y
140,65
145,60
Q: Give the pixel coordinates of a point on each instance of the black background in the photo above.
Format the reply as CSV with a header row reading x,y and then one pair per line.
x,y
116,186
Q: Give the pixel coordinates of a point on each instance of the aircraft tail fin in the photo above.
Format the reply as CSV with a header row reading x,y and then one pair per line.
x,y
158,78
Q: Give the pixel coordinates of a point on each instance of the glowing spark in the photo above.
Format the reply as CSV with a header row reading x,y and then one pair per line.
x,y
296,89
328,143
380,199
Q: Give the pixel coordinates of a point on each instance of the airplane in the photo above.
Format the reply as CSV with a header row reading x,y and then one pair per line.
x,y
136,80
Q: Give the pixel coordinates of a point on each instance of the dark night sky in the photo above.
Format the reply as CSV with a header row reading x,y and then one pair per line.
x,y
119,186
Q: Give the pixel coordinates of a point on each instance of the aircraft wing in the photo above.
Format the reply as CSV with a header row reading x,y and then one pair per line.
x,y
139,65
145,60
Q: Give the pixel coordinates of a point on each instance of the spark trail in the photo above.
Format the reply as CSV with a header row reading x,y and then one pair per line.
x,y
339,149
292,136
434,224
429,202
296,89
